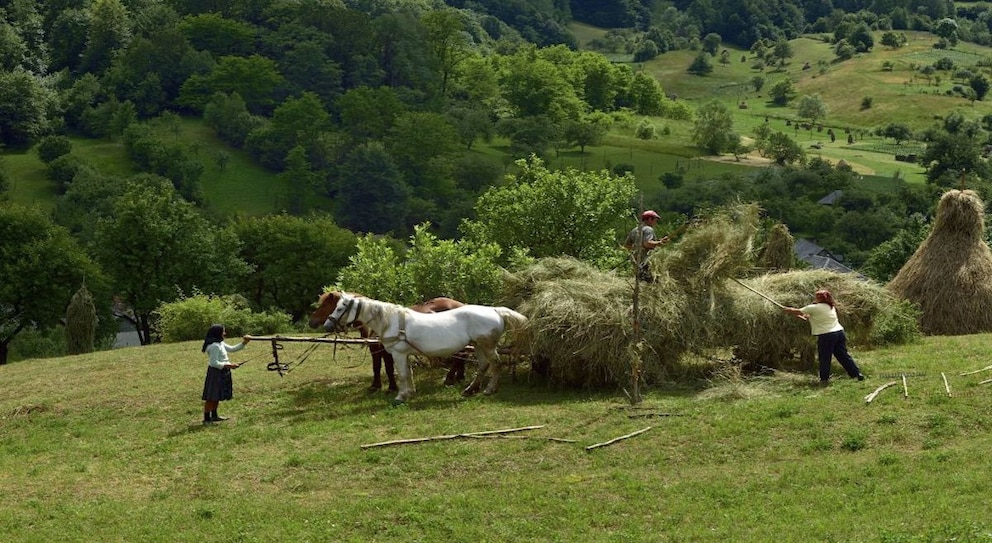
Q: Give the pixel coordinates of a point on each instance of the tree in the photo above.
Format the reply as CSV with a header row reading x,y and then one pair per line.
x,y
80,322
25,108
291,284
781,92
588,131
782,149
374,197
535,86
893,39
367,113
758,82
462,269
782,51
980,85
552,213
108,32
41,265
812,108
701,65
947,29
447,39
255,78
157,246
897,131
713,128
711,43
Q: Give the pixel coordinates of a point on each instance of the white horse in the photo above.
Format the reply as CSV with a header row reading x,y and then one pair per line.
x,y
403,332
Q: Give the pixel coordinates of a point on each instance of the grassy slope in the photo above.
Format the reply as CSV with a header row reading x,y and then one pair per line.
x,y
108,447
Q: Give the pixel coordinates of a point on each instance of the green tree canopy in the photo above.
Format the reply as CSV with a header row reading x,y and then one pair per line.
x,y
555,213
42,266
713,129
271,246
157,246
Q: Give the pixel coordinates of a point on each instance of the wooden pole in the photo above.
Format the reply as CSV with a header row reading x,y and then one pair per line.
x,y
616,439
449,436
758,293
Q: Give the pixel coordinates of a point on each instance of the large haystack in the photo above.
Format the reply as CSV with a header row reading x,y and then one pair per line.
x,y
950,274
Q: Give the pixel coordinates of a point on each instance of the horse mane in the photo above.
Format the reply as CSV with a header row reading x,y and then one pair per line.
x,y
378,309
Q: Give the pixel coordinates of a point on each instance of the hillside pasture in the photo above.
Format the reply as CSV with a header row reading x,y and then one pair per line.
x,y
109,447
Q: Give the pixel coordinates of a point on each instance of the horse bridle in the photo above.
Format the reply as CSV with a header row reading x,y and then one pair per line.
x,y
332,324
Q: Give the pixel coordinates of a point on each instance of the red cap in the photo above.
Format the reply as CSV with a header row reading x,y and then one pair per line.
x,y
649,214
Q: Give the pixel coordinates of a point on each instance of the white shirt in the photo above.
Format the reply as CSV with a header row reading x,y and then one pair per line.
x,y
822,319
218,353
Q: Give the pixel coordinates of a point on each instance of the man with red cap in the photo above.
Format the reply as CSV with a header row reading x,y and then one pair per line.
x,y
642,240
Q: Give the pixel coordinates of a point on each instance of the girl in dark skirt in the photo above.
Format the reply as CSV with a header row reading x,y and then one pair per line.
x,y
218,385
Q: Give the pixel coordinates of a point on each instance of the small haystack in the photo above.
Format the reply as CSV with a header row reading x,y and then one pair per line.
x,y
950,275
779,253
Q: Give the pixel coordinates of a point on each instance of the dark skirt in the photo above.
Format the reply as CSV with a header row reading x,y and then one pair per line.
x,y
218,385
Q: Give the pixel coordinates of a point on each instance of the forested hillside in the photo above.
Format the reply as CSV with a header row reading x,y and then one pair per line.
x,y
379,116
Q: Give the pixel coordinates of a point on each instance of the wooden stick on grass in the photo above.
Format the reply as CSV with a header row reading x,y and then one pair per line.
x,y
614,440
905,389
872,396
947,386
449,436
986,368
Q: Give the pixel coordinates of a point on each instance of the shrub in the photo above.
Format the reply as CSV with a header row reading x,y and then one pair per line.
x,y
52,147
189,318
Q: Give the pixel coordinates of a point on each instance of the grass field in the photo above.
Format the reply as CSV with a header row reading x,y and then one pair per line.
x,y
109,447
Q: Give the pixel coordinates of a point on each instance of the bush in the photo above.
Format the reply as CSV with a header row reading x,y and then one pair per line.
x,y
52,147
189,318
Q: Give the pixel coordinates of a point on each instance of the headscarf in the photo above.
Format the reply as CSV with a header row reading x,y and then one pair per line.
x,y
214,335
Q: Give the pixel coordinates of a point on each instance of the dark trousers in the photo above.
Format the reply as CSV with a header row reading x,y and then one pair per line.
x,y
835,344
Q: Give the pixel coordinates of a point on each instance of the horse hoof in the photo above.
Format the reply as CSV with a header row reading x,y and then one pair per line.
x,y
396,402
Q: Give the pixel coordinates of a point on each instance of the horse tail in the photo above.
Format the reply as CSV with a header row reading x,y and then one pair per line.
x,y
513,320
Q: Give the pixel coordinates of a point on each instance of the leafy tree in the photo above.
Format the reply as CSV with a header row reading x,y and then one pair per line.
x,y
109,31
758,82
701,65
255,78
782,92
588,131
888,257
52,147
713,129
897,131
782,51
42,265
448,42
228,116
812,108
156,246
424,146
374,196
782,149
291,284
219,35
26,106
368,113
535,86
711,43
296,122
980,84
471,124
429,267
554,213
645,95
947,29
893,39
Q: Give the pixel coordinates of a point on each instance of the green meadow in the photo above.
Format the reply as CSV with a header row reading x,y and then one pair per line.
x,y
109,447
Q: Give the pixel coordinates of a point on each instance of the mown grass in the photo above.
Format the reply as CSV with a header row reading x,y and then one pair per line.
x,y
109,447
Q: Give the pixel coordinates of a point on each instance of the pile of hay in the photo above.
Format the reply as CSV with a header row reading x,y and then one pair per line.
x,y
763,335
580,324
950,275
714,248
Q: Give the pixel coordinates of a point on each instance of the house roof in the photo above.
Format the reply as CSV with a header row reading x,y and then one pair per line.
x,y
817,257
831,198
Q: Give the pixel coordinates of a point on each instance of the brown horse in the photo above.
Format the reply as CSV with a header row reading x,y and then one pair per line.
x,y
380,357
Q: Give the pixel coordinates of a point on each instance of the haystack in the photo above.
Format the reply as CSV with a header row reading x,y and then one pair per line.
x,y
950,275
581,323
764,335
